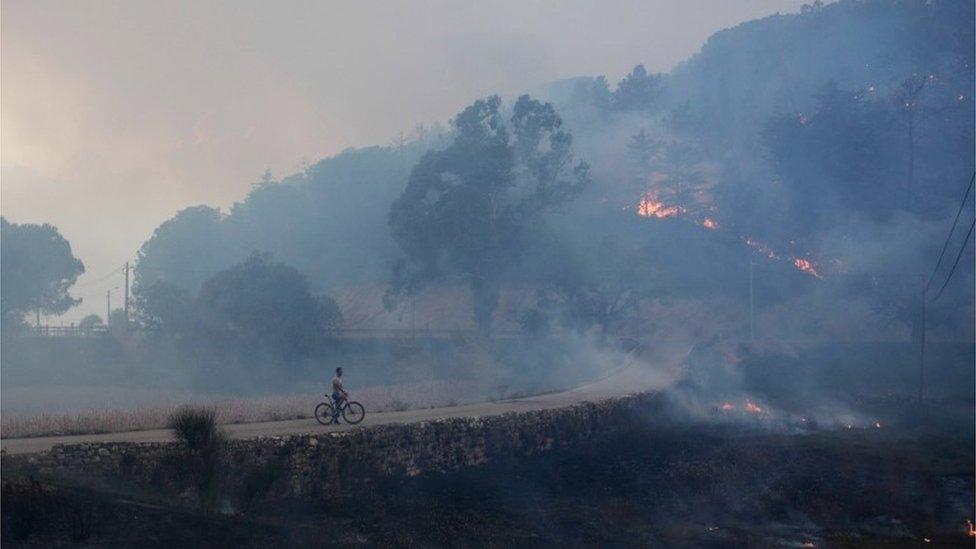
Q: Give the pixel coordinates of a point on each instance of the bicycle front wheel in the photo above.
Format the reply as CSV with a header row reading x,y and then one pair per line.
x,y
324,413
353,412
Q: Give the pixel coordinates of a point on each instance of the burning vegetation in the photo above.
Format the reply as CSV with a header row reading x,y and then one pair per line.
x,y
748,407
650,206
806,266
653,205
538,275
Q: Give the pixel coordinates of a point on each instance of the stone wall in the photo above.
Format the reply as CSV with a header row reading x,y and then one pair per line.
x,y
311,466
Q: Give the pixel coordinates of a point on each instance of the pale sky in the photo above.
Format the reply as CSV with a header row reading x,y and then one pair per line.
x,y
115,115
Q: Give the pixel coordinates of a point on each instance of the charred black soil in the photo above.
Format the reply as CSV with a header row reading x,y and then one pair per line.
x,y
682,486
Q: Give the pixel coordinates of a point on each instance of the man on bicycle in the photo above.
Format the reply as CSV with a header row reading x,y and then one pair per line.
x,y
339,395
352,412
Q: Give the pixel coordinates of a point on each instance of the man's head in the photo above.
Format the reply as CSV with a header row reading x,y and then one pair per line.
x,y
339,371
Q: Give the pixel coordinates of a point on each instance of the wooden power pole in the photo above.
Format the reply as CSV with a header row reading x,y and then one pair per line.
x,y
125,306
921,351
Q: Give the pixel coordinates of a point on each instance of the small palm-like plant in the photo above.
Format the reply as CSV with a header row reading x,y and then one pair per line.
x,y
196,429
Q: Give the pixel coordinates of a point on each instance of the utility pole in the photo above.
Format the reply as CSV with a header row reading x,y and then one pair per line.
x,y
108,305
752,308
126,302
921,352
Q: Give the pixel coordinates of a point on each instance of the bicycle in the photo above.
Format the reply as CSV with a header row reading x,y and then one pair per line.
x,y
351,411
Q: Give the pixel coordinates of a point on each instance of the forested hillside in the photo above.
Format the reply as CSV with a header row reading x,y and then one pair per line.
x,y
828,146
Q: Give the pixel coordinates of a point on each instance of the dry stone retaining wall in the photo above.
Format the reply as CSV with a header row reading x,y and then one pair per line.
x,y
313,465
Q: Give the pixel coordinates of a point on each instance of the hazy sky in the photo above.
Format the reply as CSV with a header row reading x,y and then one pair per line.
x,y
114,115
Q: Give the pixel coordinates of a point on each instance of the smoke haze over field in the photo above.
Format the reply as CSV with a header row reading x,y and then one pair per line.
x,y
721,247
118,114
769,201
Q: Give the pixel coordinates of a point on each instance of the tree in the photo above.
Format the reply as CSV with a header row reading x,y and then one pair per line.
x,y
638,91
640,153
89,322
37,269
266,301
465,210
183,249
599,93
166,307
594,283
117,321
682,178
837,160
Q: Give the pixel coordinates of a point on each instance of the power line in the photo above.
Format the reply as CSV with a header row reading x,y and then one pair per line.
x,y
925,288
175,270
90,283
958,257
951,230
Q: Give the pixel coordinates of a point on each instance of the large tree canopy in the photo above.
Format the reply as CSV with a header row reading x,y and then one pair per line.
x,y
38,268
466,208
329,221
638,91
838,160
183,250
263,300
167,307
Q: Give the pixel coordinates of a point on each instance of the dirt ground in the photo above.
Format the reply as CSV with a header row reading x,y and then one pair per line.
x,y
691,485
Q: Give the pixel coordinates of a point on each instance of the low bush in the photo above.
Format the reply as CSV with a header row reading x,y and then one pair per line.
x,y
196,428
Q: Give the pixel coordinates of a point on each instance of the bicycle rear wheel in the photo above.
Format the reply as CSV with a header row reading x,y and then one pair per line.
x,y
324,413
353,413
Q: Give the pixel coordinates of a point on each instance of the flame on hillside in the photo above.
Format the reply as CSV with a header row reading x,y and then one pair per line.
x,y
753,408
806,266
802,264
650,206
760,247
748,407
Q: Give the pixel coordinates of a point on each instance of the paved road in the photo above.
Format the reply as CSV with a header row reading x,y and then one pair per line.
x,y
630,379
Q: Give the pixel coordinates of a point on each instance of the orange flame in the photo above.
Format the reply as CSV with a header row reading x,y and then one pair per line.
x,y
650,206
709,223
806,266
969,529
752,407
728,406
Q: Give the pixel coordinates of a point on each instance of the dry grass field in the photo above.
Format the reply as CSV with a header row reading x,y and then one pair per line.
x,y
119,414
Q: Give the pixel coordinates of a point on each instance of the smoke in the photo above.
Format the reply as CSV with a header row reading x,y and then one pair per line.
x,y
777,268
